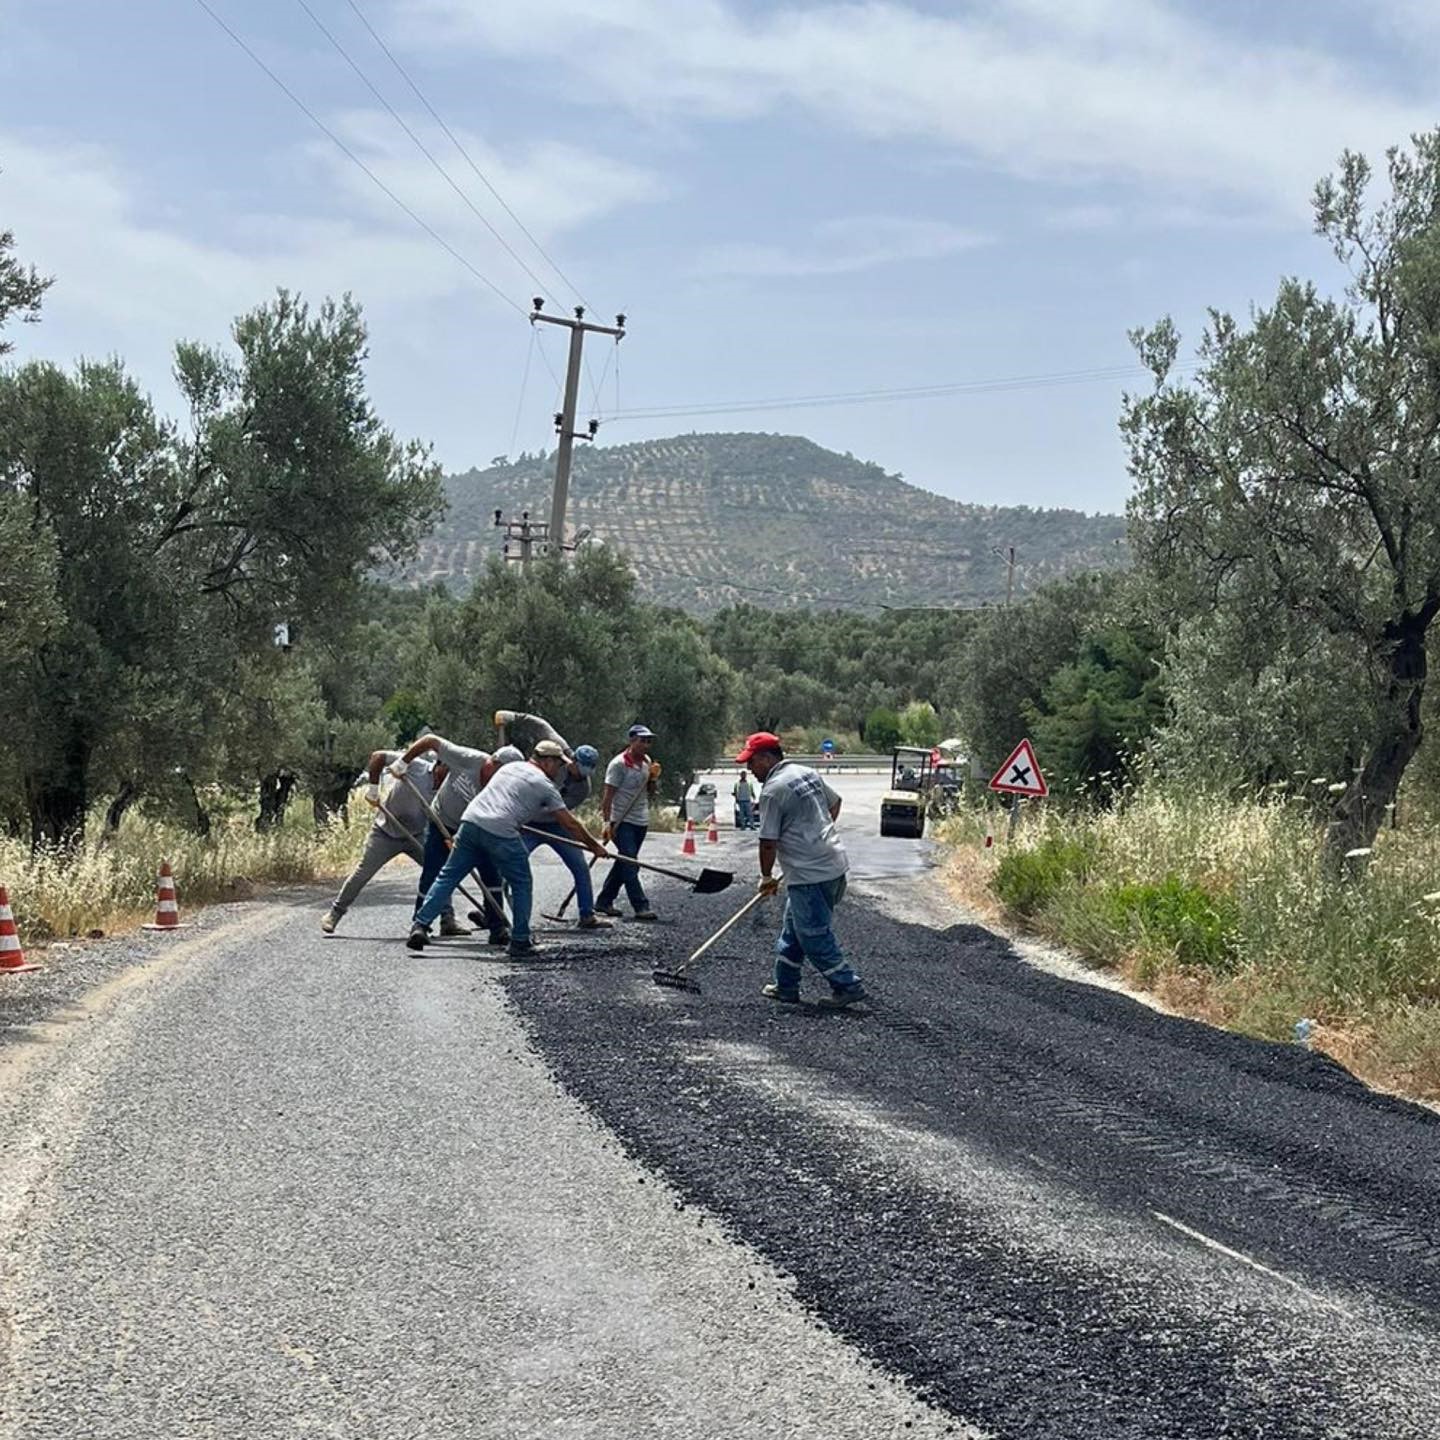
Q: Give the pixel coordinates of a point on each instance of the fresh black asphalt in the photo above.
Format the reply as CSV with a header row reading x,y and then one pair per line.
x,y
1058,1211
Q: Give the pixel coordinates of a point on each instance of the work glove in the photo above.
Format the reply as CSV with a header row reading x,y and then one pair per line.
x,y
372,795
769,885
399,767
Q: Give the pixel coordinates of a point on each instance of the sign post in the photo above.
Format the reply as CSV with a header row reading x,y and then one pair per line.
x,y
1018,777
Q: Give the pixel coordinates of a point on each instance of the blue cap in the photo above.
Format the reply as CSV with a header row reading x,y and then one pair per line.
x,y
641,732
587,757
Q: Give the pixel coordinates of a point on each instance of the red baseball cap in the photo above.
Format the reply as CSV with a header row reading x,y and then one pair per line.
x,y
760,740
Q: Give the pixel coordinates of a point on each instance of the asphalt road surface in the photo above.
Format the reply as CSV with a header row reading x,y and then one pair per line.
x,y
264,1183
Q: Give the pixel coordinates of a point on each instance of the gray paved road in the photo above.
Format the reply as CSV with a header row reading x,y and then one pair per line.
x,y
278,1185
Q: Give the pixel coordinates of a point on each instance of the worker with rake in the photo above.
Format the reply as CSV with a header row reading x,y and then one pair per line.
x,y
798,811
574,786
399,820
489,841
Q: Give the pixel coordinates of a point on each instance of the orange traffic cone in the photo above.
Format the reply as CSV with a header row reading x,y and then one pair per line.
x,y
688,848
12,957
167,912
712,834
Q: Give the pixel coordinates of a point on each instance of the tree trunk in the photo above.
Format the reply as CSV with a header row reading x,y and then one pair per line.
x,y
127,795
1360,812
275,792
59,798
199,817
330,796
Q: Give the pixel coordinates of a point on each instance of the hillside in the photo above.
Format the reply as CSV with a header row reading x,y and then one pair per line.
x,y
709,520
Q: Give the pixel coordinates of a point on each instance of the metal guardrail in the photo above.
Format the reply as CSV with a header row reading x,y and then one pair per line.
x,y
836,764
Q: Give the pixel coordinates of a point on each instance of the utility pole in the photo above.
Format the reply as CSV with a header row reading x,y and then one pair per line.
x,y
578,327
1008,556
525,534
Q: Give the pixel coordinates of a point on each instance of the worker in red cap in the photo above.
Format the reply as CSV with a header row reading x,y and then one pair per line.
x,y
798,811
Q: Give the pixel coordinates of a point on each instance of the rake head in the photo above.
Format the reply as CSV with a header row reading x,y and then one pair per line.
x,y
676,980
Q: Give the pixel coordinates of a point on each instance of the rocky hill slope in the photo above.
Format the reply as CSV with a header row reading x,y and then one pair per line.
x,y
709,520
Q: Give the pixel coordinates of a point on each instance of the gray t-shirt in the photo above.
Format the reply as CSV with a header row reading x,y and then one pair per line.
x,y
574,789
629,782
403,803
462,784
516,795
795,813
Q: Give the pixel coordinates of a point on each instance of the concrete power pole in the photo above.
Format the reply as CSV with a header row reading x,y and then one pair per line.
x,y
578,327
1008,556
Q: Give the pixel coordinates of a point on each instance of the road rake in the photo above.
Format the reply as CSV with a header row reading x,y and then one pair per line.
x,y
678,978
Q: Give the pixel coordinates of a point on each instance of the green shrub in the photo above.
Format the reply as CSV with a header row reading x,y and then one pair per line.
x,y
1199,927
1027,880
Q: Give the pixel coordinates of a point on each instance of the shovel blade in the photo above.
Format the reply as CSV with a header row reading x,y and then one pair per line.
x,y
711,882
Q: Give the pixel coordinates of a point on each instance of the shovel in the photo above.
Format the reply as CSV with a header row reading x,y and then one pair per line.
x,y
708,882
677,979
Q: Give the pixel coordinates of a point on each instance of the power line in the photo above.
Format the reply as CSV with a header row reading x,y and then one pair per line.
x,y
423,148
465,154
357,161
873,397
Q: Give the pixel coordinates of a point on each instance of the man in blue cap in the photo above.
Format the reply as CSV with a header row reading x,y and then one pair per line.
x,y
625,805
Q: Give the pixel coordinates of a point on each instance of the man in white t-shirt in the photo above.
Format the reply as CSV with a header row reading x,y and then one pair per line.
x,y
625,804
798,811
489,840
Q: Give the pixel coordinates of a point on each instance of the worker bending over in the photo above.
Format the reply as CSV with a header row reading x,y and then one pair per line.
x,y
798,811
400,822
489,840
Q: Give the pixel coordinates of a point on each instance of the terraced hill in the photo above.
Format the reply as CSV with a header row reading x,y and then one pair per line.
x,y
709,520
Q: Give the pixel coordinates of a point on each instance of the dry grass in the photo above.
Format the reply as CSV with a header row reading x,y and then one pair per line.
x,y
111,886
1360,956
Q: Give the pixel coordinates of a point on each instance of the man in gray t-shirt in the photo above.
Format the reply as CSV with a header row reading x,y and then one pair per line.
x,y
625,804
490,840
798,811
400,822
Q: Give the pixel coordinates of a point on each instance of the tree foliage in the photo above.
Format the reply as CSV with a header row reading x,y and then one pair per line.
x,y
1299,470
22,289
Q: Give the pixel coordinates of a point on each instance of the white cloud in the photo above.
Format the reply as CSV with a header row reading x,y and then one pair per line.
x,y
842,247
1137,90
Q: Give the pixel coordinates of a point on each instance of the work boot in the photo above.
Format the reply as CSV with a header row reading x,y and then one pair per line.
x,y
499,937
646,915
592,922
524,950
331,920
419,935
841,999
609,910
785,997
450,926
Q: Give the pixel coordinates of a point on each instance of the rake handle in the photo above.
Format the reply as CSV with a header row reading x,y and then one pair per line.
x,y
734,920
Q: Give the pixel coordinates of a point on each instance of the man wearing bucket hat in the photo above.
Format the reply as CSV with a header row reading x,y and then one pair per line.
x,y
625,803
798,811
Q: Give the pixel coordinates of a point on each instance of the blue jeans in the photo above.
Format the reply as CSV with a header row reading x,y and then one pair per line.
x,y
496,857
805,934
742,811
437,852
574,860
628,840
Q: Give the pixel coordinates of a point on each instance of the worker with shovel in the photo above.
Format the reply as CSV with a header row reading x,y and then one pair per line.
x,y
798,811
625,803
397,823
489,840
463,773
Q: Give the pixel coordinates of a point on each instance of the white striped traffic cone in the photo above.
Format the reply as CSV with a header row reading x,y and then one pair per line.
x,y
688,847
167,912
12,957
712,832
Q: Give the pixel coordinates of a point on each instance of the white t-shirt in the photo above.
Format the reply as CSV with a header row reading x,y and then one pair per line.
x,y
630,782
462,784
795,813
516,795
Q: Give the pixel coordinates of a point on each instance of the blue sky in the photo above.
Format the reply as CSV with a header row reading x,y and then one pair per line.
x,y
785,199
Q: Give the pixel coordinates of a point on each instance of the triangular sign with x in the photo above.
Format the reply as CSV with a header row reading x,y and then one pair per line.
x,y
1020,774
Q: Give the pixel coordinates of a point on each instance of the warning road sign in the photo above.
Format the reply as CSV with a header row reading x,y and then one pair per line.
x,y
1020,774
